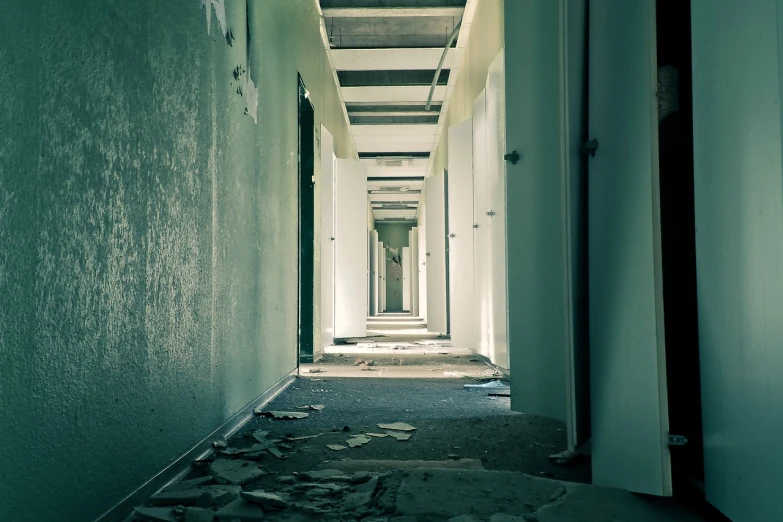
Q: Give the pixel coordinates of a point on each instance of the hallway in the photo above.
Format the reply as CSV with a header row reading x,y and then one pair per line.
x,y
526,228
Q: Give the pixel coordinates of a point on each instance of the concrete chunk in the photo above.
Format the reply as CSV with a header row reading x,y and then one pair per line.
x,y
241,509
191,497
360,477
265,500
502,517
185,485
314,476
354,501
234,471
463,518
193,514
156,514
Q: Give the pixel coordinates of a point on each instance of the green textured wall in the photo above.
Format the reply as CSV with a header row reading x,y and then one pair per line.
x,y
147,234
393,235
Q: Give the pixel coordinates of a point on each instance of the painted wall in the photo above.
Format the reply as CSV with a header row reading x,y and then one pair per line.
x,y
395,236
486,40
738,161
147,270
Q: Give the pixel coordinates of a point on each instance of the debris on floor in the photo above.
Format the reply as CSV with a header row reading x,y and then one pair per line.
x,y
283,415
399,435
314,407
234,471
305,437
312,370
260,435
336,447
568,457
359,440
492,386
479,375
405,492
397,426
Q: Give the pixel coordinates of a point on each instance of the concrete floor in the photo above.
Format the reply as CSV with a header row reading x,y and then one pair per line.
x,y
468,458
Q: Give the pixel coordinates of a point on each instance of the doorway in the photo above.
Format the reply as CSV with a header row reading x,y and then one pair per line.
x,y
678,242
306,222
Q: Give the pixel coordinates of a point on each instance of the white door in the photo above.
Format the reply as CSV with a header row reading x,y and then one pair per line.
x,y
496,210
327,238
381,277
434,194
461,275
738,182
373,272
627,359
481,280
350,244
414,243
406,279
422,265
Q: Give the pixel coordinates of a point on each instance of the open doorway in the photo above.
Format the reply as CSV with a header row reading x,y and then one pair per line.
x,y
306,222
678,243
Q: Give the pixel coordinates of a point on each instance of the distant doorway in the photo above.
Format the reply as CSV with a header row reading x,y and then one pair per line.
x,y
306,222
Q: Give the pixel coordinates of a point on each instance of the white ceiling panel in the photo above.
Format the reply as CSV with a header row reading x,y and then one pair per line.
x,y
390,59
395,94
392,130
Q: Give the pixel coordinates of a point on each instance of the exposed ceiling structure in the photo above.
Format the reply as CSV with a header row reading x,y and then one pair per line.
x,y
385,54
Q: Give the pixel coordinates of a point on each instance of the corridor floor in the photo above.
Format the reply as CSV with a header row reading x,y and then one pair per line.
x,y
458,453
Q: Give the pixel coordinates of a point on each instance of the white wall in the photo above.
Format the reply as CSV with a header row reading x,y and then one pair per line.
x,y
737,66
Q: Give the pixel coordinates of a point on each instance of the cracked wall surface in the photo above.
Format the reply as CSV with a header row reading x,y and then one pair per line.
x,y
148,232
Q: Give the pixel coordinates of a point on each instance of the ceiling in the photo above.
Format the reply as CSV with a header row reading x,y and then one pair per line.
x,y
385,54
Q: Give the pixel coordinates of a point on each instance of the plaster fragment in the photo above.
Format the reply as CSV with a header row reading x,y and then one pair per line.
x,y
220,13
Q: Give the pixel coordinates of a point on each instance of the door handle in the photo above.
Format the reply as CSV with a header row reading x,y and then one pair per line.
x,y
589,148
452,235
513,157
428,254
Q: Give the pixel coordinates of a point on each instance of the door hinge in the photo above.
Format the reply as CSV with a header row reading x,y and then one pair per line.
x,y
475,225
589,147
513,157
491,213
677,440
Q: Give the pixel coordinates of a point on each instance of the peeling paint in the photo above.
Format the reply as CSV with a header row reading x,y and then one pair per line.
x,y
251,99
220,13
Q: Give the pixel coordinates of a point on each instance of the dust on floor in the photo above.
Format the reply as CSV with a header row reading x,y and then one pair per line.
x,y
393,450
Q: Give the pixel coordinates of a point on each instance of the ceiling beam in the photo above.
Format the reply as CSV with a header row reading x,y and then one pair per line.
x,y
390,59
391,94
382,12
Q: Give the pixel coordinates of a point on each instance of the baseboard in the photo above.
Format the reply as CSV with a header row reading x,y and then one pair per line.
x,y
182,465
